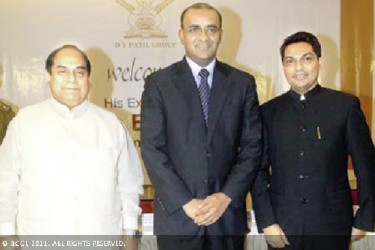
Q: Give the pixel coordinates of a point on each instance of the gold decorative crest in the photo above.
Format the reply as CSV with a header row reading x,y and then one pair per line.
x,y
144,19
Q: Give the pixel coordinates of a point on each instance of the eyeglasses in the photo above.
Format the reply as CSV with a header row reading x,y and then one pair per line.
x,y
291,61
209,30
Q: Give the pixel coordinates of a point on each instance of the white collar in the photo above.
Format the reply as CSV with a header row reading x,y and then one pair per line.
x,y
64,111
195,68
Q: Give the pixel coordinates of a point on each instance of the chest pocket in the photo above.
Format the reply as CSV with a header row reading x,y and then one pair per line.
x,y
330,135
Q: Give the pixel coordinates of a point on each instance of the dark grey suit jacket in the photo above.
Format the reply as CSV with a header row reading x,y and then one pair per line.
x,y
187,160
307,144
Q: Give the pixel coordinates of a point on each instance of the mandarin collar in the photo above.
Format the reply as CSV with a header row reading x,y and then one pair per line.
x,y
65,112
296,96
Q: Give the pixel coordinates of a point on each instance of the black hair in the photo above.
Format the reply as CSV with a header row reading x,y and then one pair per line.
x,y
302,37
51,58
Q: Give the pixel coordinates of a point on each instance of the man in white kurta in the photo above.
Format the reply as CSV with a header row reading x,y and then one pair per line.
x,y
67,166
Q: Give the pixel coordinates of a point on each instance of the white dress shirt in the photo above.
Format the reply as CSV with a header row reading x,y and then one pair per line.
x,y
195,69
68,172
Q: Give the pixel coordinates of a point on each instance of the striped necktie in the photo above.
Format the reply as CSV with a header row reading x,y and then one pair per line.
x,y
204,92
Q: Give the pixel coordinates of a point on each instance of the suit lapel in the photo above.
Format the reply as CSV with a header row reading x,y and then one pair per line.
x,y
219,91
186,86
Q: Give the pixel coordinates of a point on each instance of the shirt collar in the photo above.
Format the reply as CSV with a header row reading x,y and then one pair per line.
x,y
64,111
195,68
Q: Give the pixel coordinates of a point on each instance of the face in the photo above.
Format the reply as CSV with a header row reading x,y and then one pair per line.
x,y
69,81
201,35
301,67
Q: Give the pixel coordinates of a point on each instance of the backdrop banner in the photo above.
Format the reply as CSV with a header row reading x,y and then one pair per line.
x,y
126,40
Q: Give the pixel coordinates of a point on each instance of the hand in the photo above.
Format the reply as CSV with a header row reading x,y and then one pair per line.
x,y
5,243
212,208
357,234
191,208
275,236
130,243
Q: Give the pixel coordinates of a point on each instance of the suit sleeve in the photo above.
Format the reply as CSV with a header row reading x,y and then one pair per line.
x,y
172,192
250,146
362,152
262,206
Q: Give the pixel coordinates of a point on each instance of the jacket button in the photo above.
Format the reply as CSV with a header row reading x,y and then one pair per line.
x,y
205,181
303,129
304,201
303,177
208,155
302,105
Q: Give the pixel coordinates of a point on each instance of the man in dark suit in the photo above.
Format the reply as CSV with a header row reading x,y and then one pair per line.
x,y
305,201
201,141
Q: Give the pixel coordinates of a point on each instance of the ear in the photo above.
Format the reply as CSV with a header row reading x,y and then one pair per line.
x,y
221,35
181,36
321,63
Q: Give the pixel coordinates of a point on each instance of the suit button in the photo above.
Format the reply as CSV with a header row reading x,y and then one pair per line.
x,y
205,181
303,129
304,201
208,155
303,177
302,105
302,153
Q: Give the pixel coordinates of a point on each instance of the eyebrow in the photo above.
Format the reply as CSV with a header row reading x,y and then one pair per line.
x,y
64,67
60,67
306,54
81,67
208,25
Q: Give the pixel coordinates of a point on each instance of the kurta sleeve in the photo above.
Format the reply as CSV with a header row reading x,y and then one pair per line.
x,y
9,180
130,181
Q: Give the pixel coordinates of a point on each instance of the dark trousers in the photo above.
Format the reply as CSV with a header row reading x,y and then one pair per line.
x,y
205,242
317,243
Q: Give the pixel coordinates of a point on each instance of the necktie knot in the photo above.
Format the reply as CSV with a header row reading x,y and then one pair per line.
x,y
204,74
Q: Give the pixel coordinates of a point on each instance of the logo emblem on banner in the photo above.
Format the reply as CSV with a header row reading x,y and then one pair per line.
x,y
144,19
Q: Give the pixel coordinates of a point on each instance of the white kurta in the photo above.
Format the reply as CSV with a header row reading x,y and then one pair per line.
x,y
68,172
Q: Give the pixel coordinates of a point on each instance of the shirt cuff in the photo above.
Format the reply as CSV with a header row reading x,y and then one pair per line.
x,y
8,228
130,222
